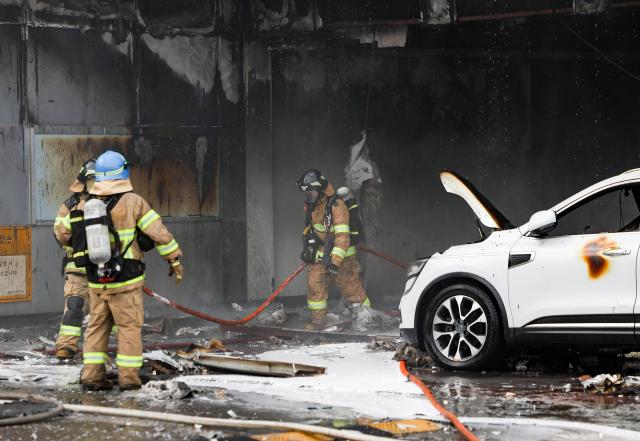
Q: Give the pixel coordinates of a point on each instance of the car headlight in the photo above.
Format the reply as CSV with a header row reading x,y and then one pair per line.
x,y
413,271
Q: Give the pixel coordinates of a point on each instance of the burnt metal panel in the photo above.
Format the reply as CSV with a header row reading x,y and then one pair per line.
x,y
199,240
509,6
14,184
11,55
177,175
338,11
233,176
179,80
82,12
83,78
285,15
164,17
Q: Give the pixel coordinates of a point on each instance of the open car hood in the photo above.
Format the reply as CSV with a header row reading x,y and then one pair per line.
x,y
484,210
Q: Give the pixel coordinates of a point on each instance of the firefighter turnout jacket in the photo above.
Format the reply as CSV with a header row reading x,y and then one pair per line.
x,y
339,228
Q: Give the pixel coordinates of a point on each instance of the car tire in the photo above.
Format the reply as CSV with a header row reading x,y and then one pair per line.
x,y
461,328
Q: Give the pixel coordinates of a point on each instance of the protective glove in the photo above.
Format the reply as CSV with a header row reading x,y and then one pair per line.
x,y
332,270
306,256
175,267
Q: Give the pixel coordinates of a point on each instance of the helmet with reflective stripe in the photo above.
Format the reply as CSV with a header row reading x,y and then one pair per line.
x,y
111,166
312,179
87,171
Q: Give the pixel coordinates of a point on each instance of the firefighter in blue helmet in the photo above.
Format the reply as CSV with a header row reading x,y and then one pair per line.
x,y
119,226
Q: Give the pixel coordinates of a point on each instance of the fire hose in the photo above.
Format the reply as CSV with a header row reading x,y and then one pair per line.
x,y
220,321
434,402
267,302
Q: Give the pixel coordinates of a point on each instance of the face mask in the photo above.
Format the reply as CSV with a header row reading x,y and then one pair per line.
x,y
311,196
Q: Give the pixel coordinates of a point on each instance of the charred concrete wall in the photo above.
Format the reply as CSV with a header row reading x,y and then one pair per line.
x,y
525,109
232,100
158,81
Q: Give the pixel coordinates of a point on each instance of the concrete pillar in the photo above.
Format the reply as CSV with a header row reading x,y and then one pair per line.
x,y
259,171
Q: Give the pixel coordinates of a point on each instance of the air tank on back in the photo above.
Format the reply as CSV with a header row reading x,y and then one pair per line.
x,y
97,230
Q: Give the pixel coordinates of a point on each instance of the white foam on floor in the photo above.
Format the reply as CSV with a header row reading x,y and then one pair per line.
x,y
369,383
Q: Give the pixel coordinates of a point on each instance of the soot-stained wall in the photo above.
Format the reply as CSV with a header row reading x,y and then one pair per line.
x,y
524,109
158,81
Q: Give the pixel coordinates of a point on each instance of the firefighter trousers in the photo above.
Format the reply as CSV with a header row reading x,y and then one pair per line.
x,y
126,311
76,305
347,280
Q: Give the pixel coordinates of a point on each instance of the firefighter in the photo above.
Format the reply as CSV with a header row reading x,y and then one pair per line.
x,y
115,285
76,291
328,247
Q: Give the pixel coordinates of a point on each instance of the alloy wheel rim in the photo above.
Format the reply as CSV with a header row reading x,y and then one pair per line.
x,y
459,328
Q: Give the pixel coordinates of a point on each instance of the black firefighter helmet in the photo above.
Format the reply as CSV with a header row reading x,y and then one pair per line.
x,y
313,184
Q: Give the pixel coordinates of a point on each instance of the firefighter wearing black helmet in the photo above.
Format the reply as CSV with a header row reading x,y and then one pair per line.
x,y
328,248
76,290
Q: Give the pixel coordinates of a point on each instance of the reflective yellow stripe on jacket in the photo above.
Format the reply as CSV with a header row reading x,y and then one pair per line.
x,y
64,221
127,236
337,251
71,266
341,228
350,252
116,285
169,248
147,219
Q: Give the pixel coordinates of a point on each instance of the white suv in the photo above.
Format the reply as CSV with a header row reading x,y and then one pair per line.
x,y
568,276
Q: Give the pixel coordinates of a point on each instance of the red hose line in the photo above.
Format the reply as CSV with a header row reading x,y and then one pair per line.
x,y
391,260
266,303
220,321
432,399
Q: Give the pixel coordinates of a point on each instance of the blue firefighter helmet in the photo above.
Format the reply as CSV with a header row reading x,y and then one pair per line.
x,y
111,166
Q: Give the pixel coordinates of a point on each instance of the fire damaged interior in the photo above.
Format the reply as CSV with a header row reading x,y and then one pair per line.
x,y
244,95
220,106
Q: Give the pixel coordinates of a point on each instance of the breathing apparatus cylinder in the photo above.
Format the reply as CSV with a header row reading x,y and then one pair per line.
x,y
97,231
345,194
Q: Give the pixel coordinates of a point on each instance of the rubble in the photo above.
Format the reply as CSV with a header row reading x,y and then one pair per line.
x,y
187,330
382,344
253,366
412,356
166,390
366,318
608,384
274,315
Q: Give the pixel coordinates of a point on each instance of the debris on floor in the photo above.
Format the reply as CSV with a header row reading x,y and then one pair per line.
x,y
257,367
166,390
413,356
356,381
290,436
401,427
188,330
366,318
274,315
611,384
379,343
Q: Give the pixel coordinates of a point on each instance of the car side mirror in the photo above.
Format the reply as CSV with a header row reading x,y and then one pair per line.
x,y
542,222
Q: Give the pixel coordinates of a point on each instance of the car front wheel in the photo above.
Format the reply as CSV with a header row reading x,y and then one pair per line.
x,y
462,328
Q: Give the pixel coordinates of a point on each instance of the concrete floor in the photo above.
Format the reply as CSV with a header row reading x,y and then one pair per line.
x,y
544,392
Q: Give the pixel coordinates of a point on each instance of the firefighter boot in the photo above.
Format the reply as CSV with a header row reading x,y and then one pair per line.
x,y
94,386
65,354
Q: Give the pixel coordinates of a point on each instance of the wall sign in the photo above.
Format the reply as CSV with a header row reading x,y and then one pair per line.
x,y
15,264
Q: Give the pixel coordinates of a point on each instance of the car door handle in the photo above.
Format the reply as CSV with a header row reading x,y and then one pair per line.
x,y
612,252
